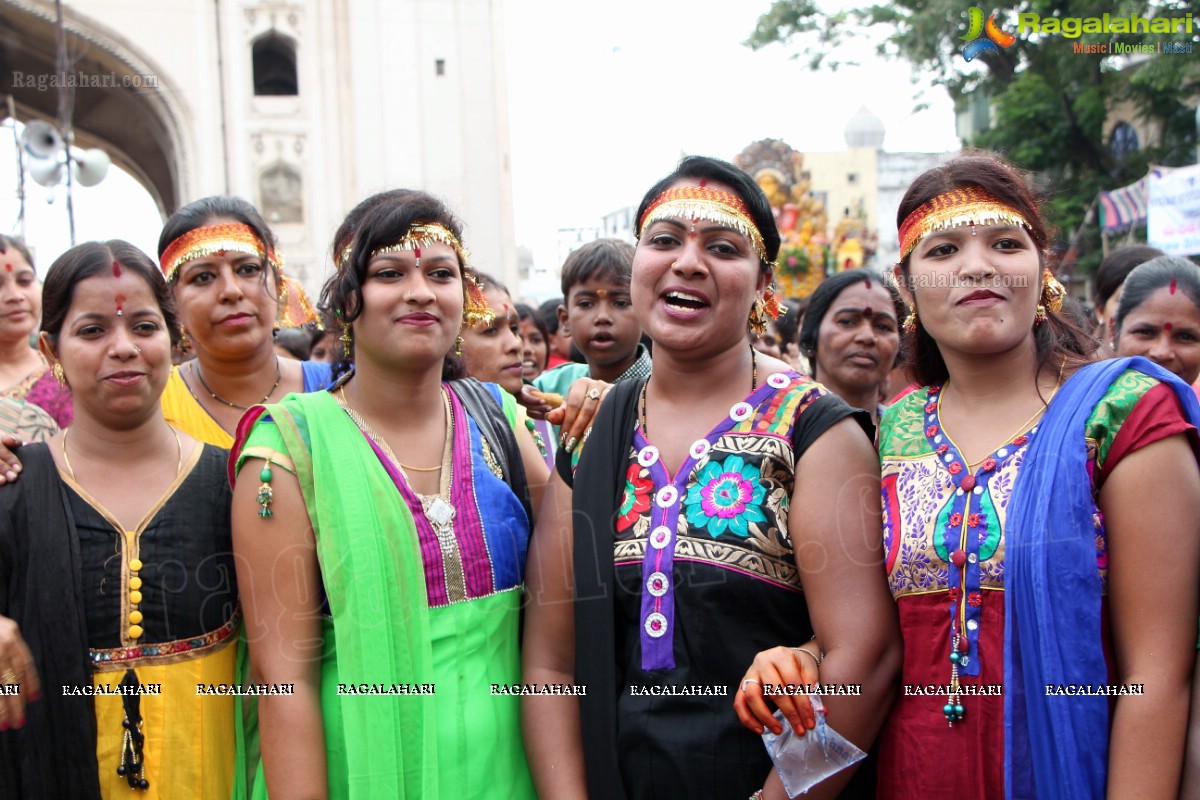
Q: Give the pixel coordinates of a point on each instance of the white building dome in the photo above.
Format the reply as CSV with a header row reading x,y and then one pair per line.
x,y
865,129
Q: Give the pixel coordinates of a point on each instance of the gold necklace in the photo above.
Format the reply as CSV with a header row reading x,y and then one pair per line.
x,y
71,472
200,377
642,396
1024,425
362,423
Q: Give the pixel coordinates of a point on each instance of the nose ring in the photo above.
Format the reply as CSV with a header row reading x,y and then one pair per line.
x,y
137,349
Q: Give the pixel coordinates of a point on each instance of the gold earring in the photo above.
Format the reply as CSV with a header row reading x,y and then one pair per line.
x,y
1039,316
910,322
1052,295
59,375
346,340
458,340
758,317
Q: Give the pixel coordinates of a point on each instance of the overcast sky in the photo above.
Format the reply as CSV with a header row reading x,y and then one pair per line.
x,y
603,98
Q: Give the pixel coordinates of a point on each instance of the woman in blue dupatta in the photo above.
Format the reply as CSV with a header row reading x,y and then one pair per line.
x,y
1040,522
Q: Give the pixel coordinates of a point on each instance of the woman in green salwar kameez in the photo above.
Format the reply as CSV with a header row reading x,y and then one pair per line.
x,y
380,529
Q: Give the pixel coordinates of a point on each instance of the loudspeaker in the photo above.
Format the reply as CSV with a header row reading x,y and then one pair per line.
x,y
41,140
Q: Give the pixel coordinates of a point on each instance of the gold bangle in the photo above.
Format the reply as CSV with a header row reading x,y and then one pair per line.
x,y
810,654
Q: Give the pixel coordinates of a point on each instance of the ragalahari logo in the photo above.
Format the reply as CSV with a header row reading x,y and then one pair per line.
x,y
976,46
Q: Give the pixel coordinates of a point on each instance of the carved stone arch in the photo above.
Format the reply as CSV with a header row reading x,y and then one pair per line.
x,y
128,107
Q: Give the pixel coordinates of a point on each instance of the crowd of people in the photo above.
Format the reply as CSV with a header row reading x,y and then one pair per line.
x,y
425,540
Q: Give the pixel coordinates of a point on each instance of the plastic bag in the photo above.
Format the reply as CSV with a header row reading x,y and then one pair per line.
x,y
805,761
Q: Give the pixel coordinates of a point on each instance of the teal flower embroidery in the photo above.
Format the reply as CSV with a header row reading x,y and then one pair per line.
x,y
726,496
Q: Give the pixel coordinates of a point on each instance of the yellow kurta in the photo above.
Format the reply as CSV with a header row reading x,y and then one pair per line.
x,y
182,410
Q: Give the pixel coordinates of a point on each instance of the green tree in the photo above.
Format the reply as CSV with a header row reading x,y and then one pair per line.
x,y
1048,103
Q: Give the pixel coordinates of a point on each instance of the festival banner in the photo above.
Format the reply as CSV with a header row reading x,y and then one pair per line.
x,y
1174,214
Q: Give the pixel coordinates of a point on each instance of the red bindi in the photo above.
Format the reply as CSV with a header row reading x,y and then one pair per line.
x,y
120,300
703,182
1167,326
1172,286
7,267
868,312
116,269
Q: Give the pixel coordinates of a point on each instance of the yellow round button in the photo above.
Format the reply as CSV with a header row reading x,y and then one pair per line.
x,y
135,597
135,617
135,582
135,564
135,631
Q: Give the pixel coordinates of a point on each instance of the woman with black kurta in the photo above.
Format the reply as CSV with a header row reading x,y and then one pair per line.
x,y
730,506
115,560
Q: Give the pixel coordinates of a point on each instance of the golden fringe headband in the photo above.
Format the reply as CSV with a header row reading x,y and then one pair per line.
x,y
954,209
475,308
234,237
700,202
237,237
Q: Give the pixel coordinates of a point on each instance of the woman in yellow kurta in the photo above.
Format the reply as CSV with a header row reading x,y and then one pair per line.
x,y
115,562
220,260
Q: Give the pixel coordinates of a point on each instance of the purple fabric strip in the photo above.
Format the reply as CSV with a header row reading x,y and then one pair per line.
x,y
468,528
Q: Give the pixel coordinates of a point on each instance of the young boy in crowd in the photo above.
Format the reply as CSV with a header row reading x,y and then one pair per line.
x,y
559,340
598,313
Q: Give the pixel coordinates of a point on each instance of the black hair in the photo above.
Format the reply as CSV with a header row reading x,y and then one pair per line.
x,y
788,324
713,169
603,258
1156,274
204,211
16,244
297,341
527,312
1115,268
820,301
1059,339
97,258
547,312
380,220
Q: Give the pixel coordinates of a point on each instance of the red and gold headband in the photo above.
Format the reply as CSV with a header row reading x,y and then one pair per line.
x,y
418,236
954,209
227,237
475,307
701,202
237,237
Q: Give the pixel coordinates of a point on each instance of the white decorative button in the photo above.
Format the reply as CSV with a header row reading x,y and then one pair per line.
x,y
1002,452
962,662
657,584
656,625
978,490
740,411
648,455
937,439
700,447
974,559
666,496
660,536
948,457
1033,429
958,492
972,624
778,380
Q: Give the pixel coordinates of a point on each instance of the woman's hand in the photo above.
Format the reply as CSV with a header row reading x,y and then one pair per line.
x,y
10,465
771,675
16,668
576,413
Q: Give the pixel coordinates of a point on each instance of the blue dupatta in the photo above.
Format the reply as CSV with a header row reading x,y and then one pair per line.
x,y
1057,747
